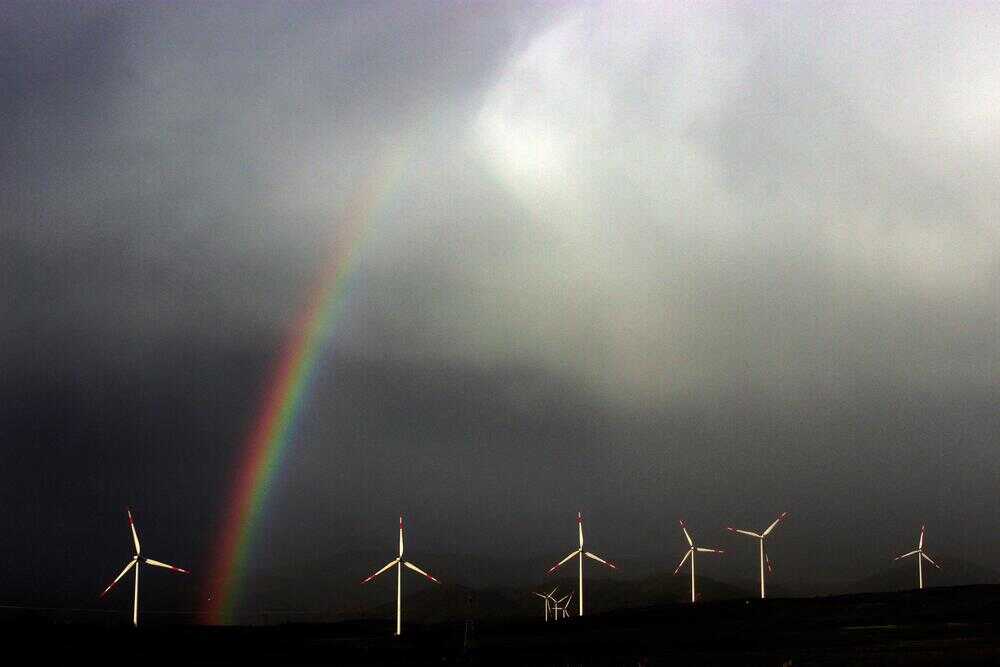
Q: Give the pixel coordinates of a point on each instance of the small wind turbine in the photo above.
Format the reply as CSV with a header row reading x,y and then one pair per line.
x,y
562,605
136,561
581,553
692,549
400,563
548,599
761,537
919,553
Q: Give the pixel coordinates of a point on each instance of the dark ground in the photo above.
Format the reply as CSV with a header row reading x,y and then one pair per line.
x,y
935,626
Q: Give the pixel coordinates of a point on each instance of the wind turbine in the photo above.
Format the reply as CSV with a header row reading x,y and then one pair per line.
x,y
692,550
548,598
761,536
136,561
919,553
400,563
562,605
581,553
565,605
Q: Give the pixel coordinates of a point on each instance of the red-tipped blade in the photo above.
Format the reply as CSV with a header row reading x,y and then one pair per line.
x,y
135,535
687,554
560,563
380,571
128,567
156,563
600,560
400,555
781,517
687,535
419,571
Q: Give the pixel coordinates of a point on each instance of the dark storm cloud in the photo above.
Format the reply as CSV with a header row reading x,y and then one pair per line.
x,y
712,260
199,159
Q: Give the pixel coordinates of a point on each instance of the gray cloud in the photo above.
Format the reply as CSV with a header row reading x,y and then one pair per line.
x,y
656,247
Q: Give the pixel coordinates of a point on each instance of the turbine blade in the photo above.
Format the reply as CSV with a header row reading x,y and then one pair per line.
x,y
767,561
928,559
387,566
579,525
128,567
687,554
419,571
553,591
687,535
563,561
781,517
706,550
135,535
920,544
400,536
907,554
743,532
601,560
150,561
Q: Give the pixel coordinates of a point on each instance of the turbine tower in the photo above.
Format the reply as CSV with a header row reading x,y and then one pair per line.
x,y
581,553
399,563
919,553
692,550
761,537
138,560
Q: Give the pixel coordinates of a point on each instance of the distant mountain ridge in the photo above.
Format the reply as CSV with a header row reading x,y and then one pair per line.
x,y
902,575
502,588
330,589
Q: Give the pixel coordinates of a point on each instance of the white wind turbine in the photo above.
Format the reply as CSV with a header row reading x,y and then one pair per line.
x,y
761,537
692,550
549,599
400,563
138,560
581,553
562,605
919,553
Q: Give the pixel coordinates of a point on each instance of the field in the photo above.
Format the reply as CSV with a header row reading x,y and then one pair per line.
x,y
935,626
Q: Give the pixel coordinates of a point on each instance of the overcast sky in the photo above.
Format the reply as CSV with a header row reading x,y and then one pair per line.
x,y
645,261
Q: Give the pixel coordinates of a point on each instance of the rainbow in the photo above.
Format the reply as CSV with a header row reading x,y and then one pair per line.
x,y
273,427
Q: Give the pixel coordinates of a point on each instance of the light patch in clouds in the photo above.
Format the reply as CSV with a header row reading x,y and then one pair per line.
x,y
652,199
732,200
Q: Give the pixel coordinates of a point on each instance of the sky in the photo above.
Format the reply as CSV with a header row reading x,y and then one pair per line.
x,y
645,261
